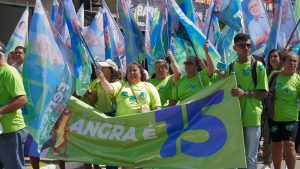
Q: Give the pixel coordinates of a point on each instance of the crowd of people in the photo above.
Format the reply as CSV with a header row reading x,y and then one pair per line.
x,y
268,98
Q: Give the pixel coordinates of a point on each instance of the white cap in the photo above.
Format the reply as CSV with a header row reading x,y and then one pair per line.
x,y
108,63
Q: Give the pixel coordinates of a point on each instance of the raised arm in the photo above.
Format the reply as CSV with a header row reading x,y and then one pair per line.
x,y
174,66
210,62
105,84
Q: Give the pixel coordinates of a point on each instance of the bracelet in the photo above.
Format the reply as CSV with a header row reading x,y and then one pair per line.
x,y
246,93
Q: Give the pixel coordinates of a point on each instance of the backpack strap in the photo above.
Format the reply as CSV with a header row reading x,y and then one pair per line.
x,y
253,71
271,95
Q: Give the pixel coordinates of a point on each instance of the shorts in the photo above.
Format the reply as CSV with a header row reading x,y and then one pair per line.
x,y
284,131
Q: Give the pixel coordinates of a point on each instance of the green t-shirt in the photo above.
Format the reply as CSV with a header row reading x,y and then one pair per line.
x,y
126,104
104,102
287,92
186,87
251,108
11,86
164,88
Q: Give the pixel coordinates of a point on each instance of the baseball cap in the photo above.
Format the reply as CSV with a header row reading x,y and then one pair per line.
x,y
2,47
108,63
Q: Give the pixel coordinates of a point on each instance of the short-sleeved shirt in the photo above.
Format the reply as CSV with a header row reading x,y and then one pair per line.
x,y
186,87
164,88
126,102
104,102
287,93
251,108
11,86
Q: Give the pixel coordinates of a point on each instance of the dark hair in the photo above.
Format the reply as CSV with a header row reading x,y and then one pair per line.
x,y
269,66
241,37
20,47
143,76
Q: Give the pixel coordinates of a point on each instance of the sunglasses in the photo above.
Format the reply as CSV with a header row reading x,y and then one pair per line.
x,y
188,63
244,45
292,60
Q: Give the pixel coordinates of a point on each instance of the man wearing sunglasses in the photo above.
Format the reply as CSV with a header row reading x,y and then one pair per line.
x,y
250,95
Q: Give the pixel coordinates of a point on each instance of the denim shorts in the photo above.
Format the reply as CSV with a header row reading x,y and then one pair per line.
x,y
11,146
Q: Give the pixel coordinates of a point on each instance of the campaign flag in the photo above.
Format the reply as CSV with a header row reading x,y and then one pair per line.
x,y
81,59
188,9
116,38
274,42
80,15
199,22
203,132
257,24
47,76
225,46
147,38
20,34
297,12
208,25
135,44
230,13
288,24
57,18
194,34
94,37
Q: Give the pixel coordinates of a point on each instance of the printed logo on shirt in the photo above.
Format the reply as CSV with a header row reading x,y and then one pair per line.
x,y
278,85
143,95
261,68
246,72
162,87
124,94
132,99
193,86
287,90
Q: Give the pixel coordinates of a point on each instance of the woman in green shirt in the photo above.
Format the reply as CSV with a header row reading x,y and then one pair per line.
x,y
193,81
285,119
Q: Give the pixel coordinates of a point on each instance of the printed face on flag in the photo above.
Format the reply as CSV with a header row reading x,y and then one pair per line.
x,y
257,21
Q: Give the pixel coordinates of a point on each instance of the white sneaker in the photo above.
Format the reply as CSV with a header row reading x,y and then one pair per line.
x,y
266,167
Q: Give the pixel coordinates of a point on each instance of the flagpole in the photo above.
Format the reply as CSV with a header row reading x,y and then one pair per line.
x,y
94,62
292,34
209,25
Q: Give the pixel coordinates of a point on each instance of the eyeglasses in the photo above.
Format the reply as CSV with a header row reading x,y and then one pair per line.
x,y
244,45
188,63
292,60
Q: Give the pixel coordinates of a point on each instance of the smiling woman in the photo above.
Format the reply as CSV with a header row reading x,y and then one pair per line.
x,y
133,95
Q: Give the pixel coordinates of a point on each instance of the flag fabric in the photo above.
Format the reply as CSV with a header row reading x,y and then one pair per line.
x,y
287,25
274,42
94,37
257,26
80,15
81,58
20,34
116,38
194,34
47,76
187,8
57,18
225,46
203,132
135,44
230,13
208,25
297,11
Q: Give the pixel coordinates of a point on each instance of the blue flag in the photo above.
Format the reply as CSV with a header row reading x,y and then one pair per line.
x,y
82,62
135,44
197,39
47,76
94,37
274,42
229,12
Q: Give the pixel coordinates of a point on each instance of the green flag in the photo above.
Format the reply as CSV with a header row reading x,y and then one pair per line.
x,y
203,132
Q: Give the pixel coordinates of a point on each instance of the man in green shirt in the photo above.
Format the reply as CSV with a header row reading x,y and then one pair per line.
x,y
250,95
13,133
